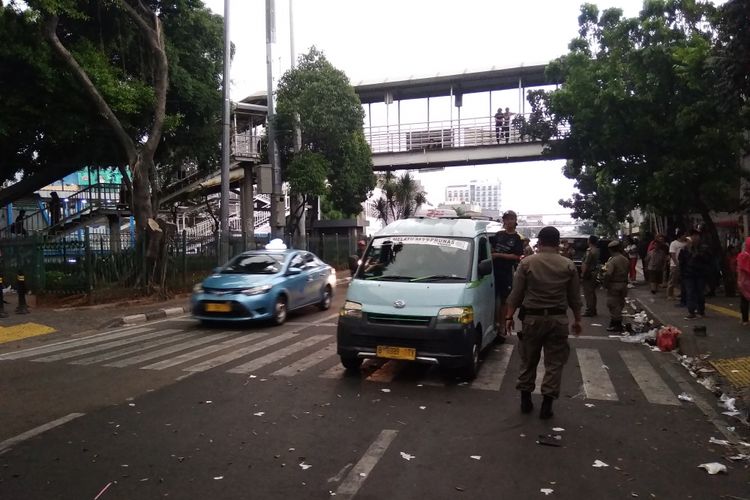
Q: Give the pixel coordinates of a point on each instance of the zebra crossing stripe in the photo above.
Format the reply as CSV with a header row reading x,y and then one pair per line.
x,y
130,350
107,345
189,356
596,381
239,353
67,344
651,384
493,369
274,356
205,339
307,362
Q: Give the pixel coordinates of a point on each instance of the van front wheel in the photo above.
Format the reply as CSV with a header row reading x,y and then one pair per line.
x,y
351,363
470,369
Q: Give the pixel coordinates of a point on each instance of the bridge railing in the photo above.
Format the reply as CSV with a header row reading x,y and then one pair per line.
x,y
445,134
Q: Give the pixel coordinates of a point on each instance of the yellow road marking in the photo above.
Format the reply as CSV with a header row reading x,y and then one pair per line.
x,y
736,370
22,331
723,310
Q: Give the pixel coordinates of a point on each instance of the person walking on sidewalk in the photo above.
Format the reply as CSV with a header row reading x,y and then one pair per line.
x,y
546,285
616,283
743,280
674,265
632,250
589,271
656,261
695,261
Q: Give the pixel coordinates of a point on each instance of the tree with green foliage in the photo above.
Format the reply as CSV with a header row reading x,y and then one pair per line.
x,y
637,115
400,197
131,83
334,159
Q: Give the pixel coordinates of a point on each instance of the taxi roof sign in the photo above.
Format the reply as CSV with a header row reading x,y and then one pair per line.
x,y
436,213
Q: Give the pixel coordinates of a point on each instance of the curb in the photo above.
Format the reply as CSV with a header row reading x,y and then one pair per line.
x,y
152,315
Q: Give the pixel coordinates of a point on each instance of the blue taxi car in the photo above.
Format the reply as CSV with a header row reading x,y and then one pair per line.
x,y
264,285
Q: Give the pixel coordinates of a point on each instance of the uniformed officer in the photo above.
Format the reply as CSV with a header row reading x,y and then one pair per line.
x,y
589,269
616,283
545,286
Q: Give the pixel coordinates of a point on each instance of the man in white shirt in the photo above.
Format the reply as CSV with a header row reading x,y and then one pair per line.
x,y
674,267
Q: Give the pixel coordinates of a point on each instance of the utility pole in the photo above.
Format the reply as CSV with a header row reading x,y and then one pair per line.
x,y
277,199
301,229
226,146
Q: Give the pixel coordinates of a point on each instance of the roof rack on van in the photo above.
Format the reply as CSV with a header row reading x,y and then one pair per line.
x,y
446,213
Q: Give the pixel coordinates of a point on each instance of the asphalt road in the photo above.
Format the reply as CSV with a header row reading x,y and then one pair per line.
x,y
173,409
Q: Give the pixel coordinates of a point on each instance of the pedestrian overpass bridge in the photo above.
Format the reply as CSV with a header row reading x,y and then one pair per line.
x,y
458,140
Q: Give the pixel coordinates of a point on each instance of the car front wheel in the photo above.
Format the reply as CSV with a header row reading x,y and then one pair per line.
x,y
351,363
325,302
280,311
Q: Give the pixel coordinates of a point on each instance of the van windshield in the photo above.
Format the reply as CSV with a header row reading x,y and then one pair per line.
x,y
417,259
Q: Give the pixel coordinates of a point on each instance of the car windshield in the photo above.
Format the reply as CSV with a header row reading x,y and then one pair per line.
x,y
417,259
255,264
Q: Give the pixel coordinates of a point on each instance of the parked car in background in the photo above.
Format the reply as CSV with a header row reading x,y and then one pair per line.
x,y
264,285
574,247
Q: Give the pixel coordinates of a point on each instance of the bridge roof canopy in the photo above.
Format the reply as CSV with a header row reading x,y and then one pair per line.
x,y
461,83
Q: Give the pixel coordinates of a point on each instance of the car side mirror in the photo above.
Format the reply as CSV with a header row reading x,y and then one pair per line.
x,y
485,267
293,271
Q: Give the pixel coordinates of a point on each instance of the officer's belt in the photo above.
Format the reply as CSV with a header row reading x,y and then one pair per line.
x,y
545,311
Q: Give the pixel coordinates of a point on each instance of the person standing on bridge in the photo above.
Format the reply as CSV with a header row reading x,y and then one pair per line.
x,y
545,286
507,250
498,123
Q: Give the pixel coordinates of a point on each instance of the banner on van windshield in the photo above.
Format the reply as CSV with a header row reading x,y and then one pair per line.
x,y
431,240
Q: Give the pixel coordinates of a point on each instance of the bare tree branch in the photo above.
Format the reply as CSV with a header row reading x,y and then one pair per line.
x,y
50,31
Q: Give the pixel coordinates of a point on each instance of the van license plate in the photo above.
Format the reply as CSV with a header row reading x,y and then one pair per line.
x,y
385,351
224,307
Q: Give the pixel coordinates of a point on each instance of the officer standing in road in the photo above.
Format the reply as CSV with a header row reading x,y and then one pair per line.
x,y
546,285
616,282
507,250
589,270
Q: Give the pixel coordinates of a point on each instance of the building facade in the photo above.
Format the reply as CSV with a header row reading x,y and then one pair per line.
x,y
485,193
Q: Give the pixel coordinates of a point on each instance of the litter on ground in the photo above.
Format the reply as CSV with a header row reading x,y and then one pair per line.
x,y
547,491
714,467
685,397
599,463
406,456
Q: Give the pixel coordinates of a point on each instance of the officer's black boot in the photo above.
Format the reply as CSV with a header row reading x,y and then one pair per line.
x,y
615,326
546,411
526,404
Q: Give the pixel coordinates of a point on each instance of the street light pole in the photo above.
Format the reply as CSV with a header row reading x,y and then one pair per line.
x,y
226,145
277,201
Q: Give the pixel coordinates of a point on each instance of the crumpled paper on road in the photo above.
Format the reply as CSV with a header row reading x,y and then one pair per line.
x,y
714,467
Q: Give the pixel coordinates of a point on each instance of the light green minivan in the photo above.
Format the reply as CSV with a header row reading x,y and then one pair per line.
x,y
423,291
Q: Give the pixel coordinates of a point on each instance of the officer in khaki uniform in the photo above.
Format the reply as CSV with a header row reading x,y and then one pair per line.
x,y
589,268
616,282
544,287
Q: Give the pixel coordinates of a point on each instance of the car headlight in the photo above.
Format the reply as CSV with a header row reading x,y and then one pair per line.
x,y
257,290
456,315
351,310
198,288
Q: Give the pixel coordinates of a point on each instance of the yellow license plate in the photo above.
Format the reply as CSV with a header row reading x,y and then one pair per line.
x,y
385,351
219,308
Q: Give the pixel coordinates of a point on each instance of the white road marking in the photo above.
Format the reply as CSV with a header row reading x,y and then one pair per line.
x,y
493,369
129,350
104,346
8,443
356,477
274,356
596,381
204,339
307,362
652,385
67,344
189,356
239,353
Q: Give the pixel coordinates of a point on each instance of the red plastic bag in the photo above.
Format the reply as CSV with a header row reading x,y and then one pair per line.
x,y
666,338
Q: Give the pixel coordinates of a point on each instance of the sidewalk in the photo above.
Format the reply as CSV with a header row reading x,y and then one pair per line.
x,y
66,322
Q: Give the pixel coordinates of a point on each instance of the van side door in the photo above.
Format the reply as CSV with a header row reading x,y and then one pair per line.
x,y
485,290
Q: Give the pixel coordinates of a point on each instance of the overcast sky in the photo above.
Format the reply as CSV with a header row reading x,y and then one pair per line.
x,y
376,40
